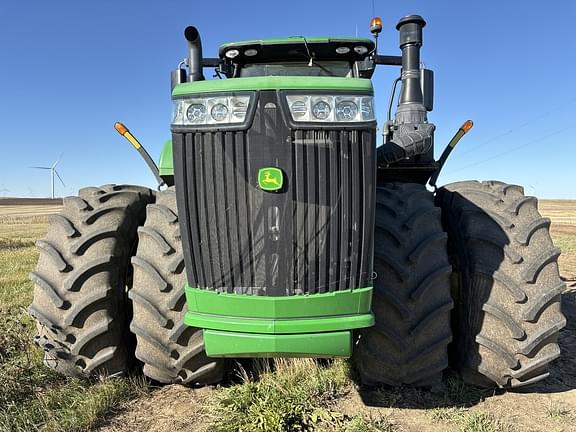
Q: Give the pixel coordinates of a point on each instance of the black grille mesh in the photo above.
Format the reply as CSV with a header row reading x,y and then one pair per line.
x,y
313,236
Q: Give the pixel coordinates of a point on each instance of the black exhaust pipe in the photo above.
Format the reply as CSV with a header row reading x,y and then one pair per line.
x,y
410,134
194,54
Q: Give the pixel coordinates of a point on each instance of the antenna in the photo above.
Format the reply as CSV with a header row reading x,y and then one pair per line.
x,y
53,172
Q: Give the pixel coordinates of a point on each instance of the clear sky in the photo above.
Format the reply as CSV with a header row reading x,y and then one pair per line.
x,y
70,69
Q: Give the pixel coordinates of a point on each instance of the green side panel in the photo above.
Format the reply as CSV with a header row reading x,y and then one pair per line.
x,y
296,39
229,344
166,165
350,302
279,326
361,85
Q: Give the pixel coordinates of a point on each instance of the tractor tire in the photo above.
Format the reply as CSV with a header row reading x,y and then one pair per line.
x,y
171,351
80,303
508,316
411,301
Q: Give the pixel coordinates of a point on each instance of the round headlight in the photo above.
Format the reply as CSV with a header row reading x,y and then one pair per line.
x,y
346,111
299,109
196,113
321,110
219,112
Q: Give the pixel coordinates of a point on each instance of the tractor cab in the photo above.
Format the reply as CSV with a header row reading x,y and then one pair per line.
x,y
296,56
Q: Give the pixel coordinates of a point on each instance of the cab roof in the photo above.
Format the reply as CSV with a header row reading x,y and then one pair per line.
x,y
298,48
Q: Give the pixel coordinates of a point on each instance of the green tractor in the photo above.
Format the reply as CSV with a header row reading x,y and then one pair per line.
x,y
281,228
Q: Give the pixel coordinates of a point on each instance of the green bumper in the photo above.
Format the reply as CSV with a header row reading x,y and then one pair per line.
x,y
318,325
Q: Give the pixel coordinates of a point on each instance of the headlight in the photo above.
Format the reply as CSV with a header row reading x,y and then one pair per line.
x,y
331,108
210,110
196,113
321,110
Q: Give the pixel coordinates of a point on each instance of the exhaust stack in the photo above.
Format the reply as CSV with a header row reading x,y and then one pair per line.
x,y
194,54
409,134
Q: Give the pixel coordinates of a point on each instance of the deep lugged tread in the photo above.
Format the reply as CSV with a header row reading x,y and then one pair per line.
x,y
411,302
171,351
80,281
48,289
508,310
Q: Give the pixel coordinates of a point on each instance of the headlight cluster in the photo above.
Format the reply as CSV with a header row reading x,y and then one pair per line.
x,y
331,108
210,110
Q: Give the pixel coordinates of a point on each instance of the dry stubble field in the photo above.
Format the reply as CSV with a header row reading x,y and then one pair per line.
x,y
289,395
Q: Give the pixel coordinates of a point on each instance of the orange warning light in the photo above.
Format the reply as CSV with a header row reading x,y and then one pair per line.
x,y
376,25
468,124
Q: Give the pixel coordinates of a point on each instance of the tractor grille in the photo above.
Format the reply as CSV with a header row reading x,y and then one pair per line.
x,y
312,236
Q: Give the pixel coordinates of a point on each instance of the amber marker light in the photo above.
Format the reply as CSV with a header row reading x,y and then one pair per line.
x,y
123,130
468,124
120,128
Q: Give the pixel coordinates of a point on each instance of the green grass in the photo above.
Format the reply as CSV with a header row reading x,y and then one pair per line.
x,y
567,244
560,412
470,421
287,395
33,397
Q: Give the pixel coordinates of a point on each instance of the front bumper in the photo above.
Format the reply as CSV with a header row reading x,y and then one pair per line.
x,y
313,325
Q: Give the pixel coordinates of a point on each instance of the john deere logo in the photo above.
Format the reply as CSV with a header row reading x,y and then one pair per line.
x,y
270,179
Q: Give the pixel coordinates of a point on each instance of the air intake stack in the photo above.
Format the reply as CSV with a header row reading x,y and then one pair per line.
x,y
409,134
411,104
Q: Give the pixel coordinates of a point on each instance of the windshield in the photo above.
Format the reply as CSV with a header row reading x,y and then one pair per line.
x,y
318,68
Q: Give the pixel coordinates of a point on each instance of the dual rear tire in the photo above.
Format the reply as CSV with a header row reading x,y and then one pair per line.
x,y
500,267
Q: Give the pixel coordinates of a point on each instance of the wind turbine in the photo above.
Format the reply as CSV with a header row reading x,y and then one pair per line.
x,y
3,190
52,173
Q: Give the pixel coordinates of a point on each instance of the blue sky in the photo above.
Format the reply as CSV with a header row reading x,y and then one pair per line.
x,y
70,69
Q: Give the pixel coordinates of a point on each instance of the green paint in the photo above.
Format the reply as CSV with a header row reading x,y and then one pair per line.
x,y
350,302
296,39
329,84
228,344
270,179
166,165
279,326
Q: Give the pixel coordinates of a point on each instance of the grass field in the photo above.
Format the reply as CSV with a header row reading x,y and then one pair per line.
x,y
295,395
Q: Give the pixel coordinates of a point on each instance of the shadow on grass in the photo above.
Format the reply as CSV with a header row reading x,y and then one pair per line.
x,y
452,392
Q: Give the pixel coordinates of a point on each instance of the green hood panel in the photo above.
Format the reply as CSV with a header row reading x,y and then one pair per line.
x,y
275,83
166,165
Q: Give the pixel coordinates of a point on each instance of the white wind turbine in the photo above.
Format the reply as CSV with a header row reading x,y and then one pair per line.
x,y
3,190
52,173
